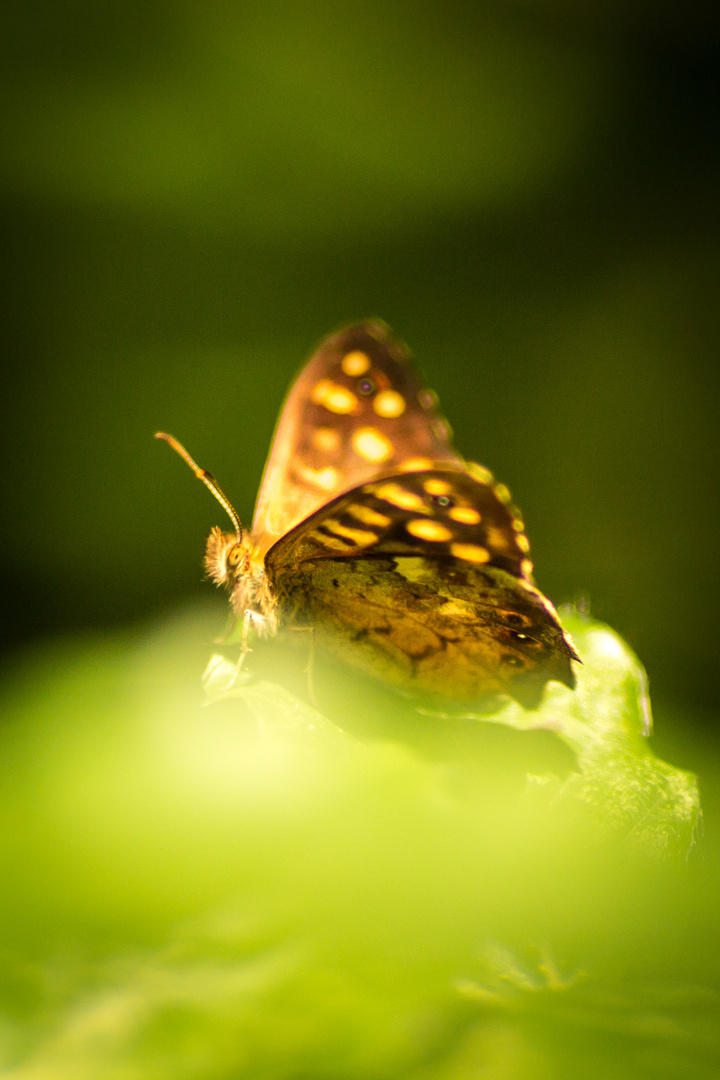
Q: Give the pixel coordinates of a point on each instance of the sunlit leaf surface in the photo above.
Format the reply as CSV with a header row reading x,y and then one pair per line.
x,y
245,888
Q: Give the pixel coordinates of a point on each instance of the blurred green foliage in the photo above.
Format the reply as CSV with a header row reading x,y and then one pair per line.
x,y
244,889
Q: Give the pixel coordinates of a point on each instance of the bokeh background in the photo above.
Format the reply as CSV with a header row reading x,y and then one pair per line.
x,y
526,190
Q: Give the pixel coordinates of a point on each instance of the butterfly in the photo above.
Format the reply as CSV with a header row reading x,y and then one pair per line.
x,y
408,563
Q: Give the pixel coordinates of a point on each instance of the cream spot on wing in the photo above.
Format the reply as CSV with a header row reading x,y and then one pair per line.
x,y
526,567
326,439
334,397
340,400
362,537
329,541
416,464
480,472
389,403
323,479
429,530
355,363
368,516
497,539
371,446
522,542
428,399
456,610
466,515
435,486
411,568
518,525
441,430
470,552
503,493
320,390
400,497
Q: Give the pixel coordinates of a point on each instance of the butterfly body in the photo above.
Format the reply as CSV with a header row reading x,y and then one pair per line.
x,y
408,563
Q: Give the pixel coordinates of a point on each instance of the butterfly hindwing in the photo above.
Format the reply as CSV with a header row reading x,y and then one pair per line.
x,y
357,409
423,579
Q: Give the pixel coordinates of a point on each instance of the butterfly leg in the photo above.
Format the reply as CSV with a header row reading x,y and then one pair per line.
x,y
249,619
310,666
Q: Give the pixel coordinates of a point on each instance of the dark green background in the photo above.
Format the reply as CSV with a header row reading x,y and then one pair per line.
x,y
194,194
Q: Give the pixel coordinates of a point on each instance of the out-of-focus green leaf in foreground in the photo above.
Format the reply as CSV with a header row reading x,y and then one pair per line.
x,y
246,890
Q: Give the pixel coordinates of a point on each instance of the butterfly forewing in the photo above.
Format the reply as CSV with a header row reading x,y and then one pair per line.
x,y
357,410
440,513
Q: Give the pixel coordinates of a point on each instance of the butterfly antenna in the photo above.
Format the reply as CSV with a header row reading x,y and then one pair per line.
x,y
207,478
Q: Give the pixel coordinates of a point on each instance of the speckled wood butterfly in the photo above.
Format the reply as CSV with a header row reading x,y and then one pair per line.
x,y
409,563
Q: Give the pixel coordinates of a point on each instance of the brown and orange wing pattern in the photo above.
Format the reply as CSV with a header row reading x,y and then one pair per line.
x,y
441,512
422,579
358,409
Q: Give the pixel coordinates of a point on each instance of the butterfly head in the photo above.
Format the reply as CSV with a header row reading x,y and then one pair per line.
x,y
227,556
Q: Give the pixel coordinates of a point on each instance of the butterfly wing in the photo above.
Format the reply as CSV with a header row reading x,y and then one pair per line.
x,y
422,579
357,409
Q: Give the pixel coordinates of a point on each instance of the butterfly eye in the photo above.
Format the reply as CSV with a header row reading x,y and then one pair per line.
x,y
366,387
234,556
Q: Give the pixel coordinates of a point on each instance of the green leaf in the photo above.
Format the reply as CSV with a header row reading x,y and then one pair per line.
x,y
246,889
605,722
